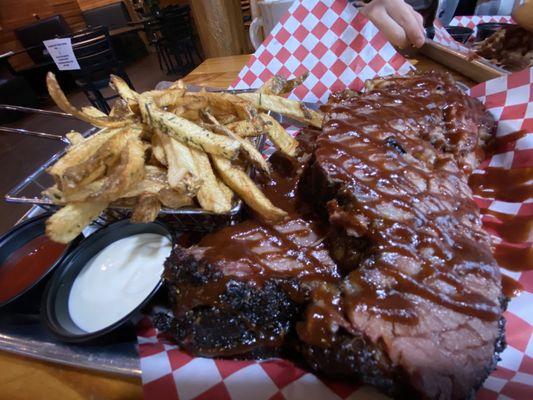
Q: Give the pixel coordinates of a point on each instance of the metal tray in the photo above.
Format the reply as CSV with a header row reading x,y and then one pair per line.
x,y
23,334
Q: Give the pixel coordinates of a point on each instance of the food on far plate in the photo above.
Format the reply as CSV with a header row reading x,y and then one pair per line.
x,y
380,272
511,48
166,148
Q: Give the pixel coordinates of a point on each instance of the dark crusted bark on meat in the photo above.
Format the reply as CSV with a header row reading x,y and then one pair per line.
x,y
354,356
242,320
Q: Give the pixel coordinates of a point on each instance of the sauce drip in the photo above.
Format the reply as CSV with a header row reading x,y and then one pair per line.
x,y
510,287
26,265
511,185
514,257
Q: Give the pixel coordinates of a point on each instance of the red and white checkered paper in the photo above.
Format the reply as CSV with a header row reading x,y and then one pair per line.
x,y
443,37
329,38
169,373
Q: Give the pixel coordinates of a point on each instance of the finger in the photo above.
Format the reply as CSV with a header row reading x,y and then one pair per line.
x,y
389,27
406,19
419,18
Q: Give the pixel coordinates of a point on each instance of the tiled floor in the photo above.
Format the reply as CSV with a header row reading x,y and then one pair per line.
x,y
20,154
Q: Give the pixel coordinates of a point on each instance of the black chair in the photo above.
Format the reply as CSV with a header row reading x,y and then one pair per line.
x,y
128,45
31,36
97,58
178,38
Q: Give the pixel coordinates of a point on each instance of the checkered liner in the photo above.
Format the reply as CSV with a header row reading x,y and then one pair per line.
x,y
333,41
443,37
170,373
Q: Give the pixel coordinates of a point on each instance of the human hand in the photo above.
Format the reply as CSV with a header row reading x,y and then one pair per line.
x,y
398,21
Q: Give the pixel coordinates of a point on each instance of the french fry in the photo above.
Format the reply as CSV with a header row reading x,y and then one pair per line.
x,y
180,163
157,149
96,165
80,152
279,136
122,88
179,84
187,132
121,109
62,102
290,108
146,209
172,199
246,128
210,196
243,185
226,191
93,112
74,137
249,150
123,176
69,221
278,85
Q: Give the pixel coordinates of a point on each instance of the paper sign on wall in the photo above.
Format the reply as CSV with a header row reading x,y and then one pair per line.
x,y
62,53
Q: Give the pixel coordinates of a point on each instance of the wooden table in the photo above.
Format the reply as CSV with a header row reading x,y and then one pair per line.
x,y
24,378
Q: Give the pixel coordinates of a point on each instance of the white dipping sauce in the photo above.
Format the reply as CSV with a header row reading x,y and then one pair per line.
x,y
117,279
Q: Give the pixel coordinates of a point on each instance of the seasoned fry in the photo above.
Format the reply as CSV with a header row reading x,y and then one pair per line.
x,y
121,109
247,128
146,209
279,136
210,196
79,153
192,139
96,165
157,149
179,84
93,112
181,167
187,132
124,175
123,90
248,149
62,102
172,199
278,85
290,108
68,222
243,185
74,137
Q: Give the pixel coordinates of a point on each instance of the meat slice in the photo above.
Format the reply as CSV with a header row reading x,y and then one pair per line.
x,y
239,291
419,309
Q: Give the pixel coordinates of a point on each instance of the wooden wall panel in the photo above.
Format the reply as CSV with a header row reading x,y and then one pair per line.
x,y
16,13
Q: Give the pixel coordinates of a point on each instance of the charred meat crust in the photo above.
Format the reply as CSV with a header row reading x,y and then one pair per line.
x,y
242,320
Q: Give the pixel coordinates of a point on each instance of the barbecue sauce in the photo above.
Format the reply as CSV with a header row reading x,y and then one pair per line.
x,y
258,250
403,180
511,185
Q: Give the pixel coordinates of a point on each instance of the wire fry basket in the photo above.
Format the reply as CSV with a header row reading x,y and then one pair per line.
x,y
29,191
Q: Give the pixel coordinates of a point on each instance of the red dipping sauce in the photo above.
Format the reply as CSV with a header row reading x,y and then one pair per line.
x,y
26,265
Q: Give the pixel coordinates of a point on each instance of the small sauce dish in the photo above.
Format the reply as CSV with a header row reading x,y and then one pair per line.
x,y
27,260
106,281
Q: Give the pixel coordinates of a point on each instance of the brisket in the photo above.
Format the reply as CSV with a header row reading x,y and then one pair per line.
x,y
421,286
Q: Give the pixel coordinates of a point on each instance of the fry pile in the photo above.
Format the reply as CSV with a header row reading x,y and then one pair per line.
x,y
169,148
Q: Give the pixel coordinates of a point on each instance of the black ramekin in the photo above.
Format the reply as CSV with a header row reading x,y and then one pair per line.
x,y
28,300
54,309
487,29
